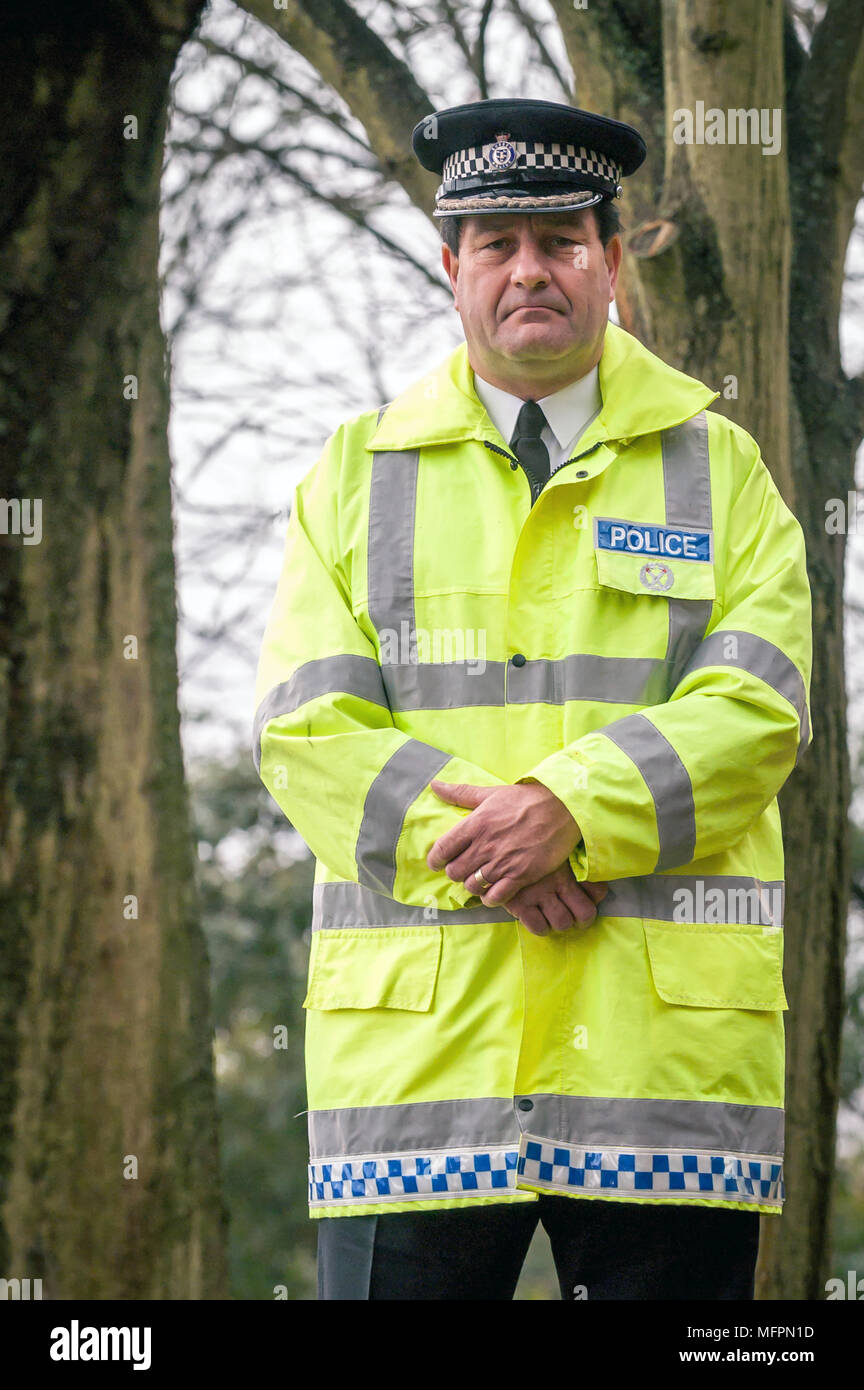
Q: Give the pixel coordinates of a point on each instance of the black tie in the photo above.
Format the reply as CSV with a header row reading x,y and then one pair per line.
x,y
529,447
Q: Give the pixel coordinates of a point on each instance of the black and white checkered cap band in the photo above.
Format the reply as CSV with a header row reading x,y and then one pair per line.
x,y
534,155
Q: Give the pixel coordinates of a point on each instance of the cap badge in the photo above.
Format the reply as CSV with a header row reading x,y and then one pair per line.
x,y
656,576
502,154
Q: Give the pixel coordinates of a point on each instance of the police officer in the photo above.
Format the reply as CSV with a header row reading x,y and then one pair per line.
x,y
544,983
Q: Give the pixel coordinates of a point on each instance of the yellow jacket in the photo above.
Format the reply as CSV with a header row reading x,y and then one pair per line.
x,y
639,640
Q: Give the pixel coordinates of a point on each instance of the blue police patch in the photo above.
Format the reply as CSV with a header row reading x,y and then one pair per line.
x,y
648,538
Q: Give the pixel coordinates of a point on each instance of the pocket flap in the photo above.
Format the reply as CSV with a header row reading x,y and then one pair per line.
x,y
665,576
717,967
373,968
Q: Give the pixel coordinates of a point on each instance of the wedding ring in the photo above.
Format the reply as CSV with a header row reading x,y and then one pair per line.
x,y
478,876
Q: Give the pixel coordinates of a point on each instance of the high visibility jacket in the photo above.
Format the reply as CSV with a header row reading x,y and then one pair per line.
x,y
637,637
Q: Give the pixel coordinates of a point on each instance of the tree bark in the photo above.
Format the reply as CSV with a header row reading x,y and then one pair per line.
x,y
108,1131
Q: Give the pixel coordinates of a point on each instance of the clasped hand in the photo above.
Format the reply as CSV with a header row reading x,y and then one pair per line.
x,y
518,838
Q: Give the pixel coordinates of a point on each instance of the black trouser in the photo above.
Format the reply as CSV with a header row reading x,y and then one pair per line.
x,y
609,1249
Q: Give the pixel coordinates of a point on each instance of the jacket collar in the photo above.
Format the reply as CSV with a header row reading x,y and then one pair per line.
x,y
641,393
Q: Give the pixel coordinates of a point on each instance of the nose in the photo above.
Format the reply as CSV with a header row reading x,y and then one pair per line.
x,y
529,268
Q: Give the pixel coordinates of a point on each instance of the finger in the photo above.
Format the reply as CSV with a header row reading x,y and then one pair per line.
x,y
460,793
463,866
515,906
448,846
502,891
579,903
556,912
596,891
473,883
533,919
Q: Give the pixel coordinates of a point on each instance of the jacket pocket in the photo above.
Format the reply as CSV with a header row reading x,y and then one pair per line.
x,y
374,968
646,574
723,967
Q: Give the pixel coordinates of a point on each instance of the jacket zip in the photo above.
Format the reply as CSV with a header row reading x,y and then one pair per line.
x,y
535,491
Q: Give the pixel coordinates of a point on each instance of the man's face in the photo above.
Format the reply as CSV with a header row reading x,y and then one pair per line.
x,y
533,292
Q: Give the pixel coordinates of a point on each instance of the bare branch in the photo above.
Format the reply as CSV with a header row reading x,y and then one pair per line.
x,y
377,87
479,55
459,36
307,100
527,21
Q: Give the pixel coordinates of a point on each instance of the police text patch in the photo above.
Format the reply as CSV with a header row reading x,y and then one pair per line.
x,y
648,538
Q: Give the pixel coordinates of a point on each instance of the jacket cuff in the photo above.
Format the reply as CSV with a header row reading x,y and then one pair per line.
x,y
566,779
462,897
608,798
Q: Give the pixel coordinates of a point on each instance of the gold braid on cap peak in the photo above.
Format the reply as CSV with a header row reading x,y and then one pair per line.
x,y
583,198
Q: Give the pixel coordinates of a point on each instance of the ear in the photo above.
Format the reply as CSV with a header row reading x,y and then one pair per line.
x,y
612,255
450,263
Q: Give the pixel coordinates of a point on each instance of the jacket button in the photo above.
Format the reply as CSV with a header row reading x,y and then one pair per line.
x,y
583,473
518,659
526,1105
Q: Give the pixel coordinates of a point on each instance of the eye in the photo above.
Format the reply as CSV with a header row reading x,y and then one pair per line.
x,y
490,245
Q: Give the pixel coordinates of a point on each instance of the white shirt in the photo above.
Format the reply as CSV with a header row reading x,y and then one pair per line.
x,y
568,411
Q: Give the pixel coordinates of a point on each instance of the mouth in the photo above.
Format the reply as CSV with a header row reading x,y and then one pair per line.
x,y
533,309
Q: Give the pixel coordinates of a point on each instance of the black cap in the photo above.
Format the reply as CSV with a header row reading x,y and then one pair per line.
x,y
521,155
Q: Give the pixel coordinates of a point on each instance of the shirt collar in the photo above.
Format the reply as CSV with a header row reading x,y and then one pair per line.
x,y
567,410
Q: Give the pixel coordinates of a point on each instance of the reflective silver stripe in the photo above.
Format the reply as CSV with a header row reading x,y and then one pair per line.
x,y
337,905
682,1124
688,1124
687,492
326,675
398,784
621,680
390,554
687,486
626,680
687,473
742,900
657,897
760,658
390,602
418,1125
444,684
667,780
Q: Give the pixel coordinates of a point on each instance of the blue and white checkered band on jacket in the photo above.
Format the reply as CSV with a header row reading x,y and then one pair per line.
x,y
463,164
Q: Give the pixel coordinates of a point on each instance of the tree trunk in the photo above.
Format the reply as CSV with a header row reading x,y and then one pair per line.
x,y
108,1131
